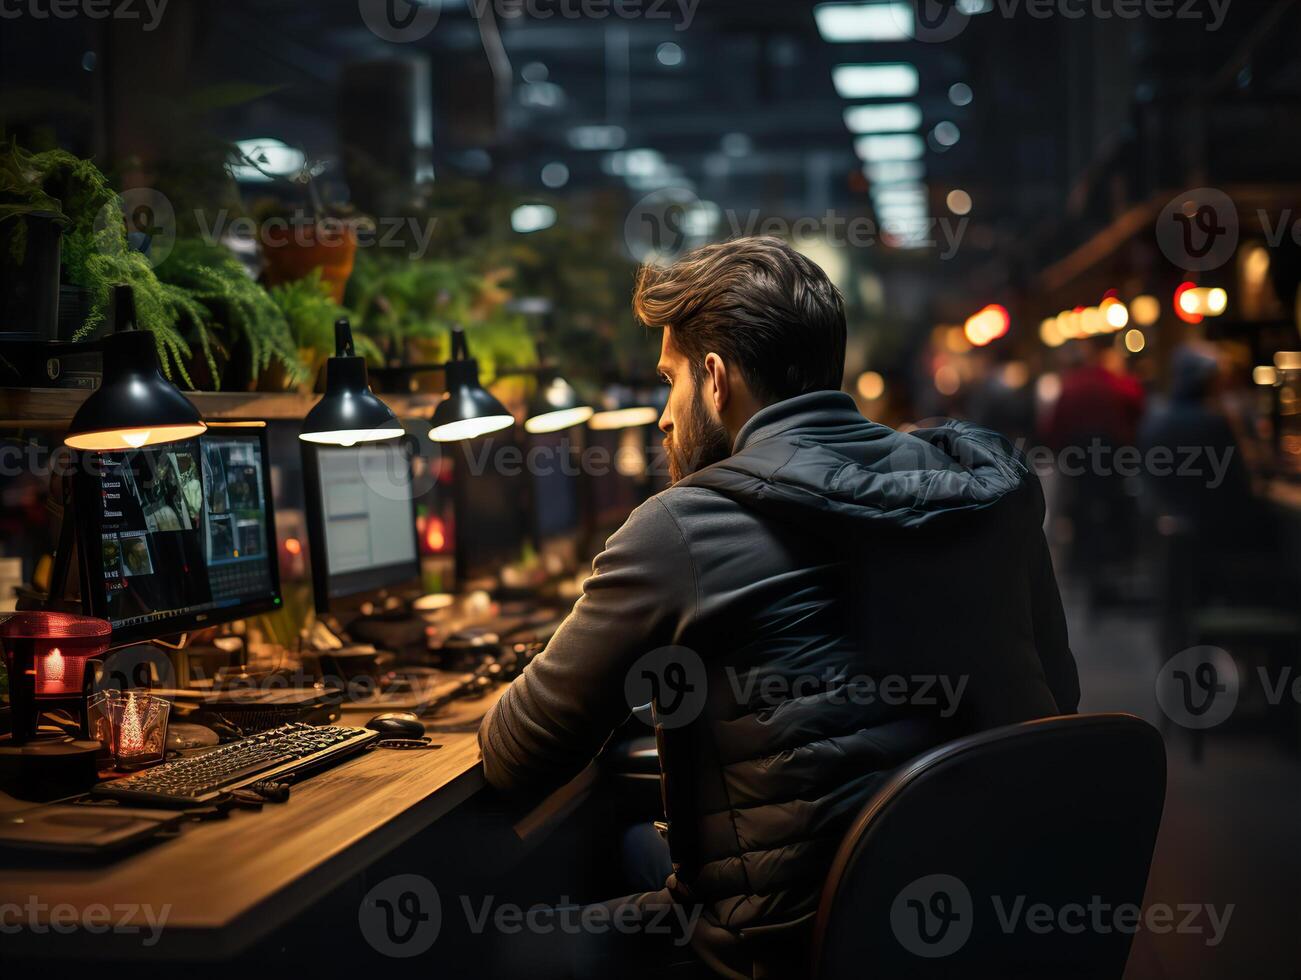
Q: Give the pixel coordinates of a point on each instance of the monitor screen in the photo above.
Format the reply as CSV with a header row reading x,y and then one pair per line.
x,y
613,493
555,468
178,536
361,520
491,521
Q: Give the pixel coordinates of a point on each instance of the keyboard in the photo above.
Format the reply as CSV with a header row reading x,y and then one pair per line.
x,y
294,749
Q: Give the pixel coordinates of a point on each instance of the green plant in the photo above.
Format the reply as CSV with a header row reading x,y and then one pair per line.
x,y
399,299
310,312
234,307
95,252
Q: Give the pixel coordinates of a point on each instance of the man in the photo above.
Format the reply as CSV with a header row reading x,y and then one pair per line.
x,y
854,595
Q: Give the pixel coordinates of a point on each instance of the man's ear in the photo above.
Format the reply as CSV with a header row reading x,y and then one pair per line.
x,y
716,372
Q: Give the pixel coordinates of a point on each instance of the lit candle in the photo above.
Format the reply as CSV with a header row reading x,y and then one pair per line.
x,y
52,668
131,739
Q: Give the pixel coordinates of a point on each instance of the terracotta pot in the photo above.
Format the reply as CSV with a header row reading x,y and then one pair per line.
x,y
292,251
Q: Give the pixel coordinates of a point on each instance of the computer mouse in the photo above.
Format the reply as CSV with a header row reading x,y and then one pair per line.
x,y
397,724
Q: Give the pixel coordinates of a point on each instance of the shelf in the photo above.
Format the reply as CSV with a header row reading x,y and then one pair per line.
x,y
54,407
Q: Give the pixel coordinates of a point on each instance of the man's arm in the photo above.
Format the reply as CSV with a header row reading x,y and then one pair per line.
x,y
555,716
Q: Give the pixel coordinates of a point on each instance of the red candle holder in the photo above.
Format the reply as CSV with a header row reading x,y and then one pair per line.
x,y
45,654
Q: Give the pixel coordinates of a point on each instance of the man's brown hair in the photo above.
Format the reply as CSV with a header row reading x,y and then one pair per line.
x,y
758,304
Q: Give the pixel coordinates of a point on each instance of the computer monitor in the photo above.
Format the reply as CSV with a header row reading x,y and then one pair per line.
x,y
554,467
361,520
490,499
178,536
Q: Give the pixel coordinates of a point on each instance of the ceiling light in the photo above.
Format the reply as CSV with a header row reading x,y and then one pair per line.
x,y
891,79
898,117
845,22
895,171
896,146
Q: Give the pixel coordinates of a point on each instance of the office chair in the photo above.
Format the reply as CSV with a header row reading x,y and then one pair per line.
x,y
943,872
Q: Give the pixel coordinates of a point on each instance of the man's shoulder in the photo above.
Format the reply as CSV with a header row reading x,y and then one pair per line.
x,y
688,503
674,511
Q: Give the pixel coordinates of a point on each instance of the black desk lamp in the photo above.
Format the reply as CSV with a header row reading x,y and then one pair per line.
x,y
556,406
134,404
348,412
468,409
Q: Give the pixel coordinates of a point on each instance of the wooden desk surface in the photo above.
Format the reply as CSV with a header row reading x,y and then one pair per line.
x,y
226,883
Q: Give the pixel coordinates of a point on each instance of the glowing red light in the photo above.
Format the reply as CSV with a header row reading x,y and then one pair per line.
x,y
1180,312
435,534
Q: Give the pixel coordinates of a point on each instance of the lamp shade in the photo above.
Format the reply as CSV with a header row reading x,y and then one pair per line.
x,y
556,406
468,409
348,412
624,409
134,404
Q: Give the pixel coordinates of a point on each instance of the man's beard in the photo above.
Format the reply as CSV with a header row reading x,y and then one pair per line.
x,y
696,442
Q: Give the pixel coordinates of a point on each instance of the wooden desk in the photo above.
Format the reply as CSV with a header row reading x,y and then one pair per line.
x,y
226,884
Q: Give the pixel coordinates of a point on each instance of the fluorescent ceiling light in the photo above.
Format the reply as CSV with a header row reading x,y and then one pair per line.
x,y
881,21
899,193
898,117
532,217
597,137
895,171
890,79
897,146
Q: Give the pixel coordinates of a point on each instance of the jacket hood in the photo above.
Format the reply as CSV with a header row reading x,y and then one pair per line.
x,y
814,458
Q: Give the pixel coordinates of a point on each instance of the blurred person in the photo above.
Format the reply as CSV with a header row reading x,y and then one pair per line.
x,y
1210,494
1096,414
1098,399
801,552
1217,544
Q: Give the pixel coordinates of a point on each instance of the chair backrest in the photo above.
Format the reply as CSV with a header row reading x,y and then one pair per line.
x,y
1018,852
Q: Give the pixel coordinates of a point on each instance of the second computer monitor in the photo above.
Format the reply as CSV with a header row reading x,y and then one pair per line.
x,y
361,520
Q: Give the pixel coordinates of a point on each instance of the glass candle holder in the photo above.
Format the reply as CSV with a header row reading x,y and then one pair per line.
x,y
131,727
